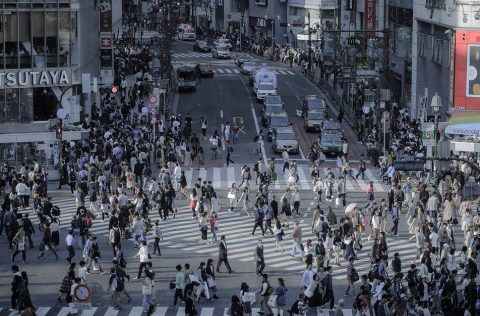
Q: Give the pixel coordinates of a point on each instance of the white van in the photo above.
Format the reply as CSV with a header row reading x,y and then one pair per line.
x,y
185,32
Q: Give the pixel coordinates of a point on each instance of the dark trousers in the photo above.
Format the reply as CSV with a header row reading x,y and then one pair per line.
x,y
329,297
258,224
14,300
156,246
360,172
296,206
395,227
268,225
260,266
224,260
178,294
71,253
140,269
30,241
48,247
24,255
72,186
286,165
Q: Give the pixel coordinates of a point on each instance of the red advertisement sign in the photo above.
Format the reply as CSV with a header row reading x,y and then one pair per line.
x,y
370,14
467,70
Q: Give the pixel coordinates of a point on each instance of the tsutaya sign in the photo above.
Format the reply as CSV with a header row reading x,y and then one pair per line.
x,y
35,78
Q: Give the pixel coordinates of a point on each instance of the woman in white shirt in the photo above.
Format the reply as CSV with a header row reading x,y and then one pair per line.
x,y
232,196
246,299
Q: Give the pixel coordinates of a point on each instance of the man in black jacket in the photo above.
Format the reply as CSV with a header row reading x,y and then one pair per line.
x,y
259,257
222,255
47,242
259,216
29,229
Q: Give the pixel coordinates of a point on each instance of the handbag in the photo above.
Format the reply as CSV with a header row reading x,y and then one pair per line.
x,y
146,290
21,245
272,300
308,293
337,201
231,195
211,282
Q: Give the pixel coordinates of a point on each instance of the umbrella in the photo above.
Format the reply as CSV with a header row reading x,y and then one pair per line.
x,y
350,207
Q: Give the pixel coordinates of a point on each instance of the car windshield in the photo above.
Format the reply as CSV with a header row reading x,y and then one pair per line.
x,y
202,43
331,138
205,67
315,104
222,48
273,109
279,121
249,64
265,87
273,100
331,126
315,116
286,136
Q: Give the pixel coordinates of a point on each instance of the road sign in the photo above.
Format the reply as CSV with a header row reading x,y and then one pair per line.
x,y
82,293
153,111
153,99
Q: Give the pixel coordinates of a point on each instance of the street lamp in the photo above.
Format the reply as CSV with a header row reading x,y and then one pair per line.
x,y
436,105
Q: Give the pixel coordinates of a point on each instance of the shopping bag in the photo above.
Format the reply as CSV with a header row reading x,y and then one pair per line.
x,y
272,300
211,282
231,195
193,278
337,201
274,176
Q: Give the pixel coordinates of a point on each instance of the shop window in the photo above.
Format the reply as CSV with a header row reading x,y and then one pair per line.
x,y
12,100
64,29
44,104
38,39
2,33
51,32
24,38
11,40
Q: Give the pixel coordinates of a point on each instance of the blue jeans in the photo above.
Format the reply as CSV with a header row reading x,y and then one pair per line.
x,y
297,250
146,302
214,234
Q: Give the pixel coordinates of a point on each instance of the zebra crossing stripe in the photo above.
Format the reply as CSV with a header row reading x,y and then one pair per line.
x,y
160,311
221,71
290,72
207,311
217,180
228,71
111,312
282,72
136,311
42,311
236,71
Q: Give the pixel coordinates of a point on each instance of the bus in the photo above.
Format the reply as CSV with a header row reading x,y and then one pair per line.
x,y
186,32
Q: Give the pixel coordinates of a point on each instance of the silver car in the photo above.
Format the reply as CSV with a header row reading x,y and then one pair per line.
x,y
284,139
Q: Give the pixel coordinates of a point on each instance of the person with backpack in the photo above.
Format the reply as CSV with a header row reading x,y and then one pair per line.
x,y
352,276
114,237
265,291
46,243
94,256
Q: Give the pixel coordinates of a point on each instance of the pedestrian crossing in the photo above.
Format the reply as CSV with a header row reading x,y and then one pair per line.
x,y
159,311
223,177
191,55
183,233
226,71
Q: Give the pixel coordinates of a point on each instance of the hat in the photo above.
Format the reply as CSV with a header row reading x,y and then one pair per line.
x,y
281,280
445,245
265,276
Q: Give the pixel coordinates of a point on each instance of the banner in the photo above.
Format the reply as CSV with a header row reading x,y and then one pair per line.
x,y
106,16
370,15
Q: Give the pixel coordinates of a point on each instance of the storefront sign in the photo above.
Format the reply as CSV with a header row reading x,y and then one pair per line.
x,y
370,14
106,58
23,79
106,16
106,42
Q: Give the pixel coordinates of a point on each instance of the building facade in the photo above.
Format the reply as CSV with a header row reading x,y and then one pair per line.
x,y
45,47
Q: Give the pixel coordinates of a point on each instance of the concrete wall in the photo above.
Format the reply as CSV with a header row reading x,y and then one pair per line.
x,y
116,15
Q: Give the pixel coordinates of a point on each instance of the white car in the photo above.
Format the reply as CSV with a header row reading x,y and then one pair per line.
x,y
223,42
247,67
221,52
264,90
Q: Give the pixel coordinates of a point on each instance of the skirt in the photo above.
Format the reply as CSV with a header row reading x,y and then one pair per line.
x,y
247,307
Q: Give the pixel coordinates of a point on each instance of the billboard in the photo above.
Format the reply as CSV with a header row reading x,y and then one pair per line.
x,y
467,70
370,15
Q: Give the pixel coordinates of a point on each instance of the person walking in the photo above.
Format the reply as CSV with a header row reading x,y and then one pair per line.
x,y
327,284
148,288
179,286
19,244
94,256
232,196
281,292
297,241
259,258
69,242
265,291
157,232
223,255
142,255
46,243
259,216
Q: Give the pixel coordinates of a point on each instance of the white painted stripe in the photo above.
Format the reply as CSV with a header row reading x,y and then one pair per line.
x,y
228,71
42,311
181,311
202,174
290,72
275,72
189,177
230,176
220,71
89,312
303,179
65,311
207,311
160,311
111,312
135,311
214,71
236,71
217,179
283,72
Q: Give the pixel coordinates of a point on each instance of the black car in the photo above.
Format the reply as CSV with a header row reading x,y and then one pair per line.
x,y
314,102
276,120
331,127
201,46
313,120
268,110
331,144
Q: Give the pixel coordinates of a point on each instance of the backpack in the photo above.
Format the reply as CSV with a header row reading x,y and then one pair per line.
x,y
255,167
116,236
120,286
255,139
87,222
354,277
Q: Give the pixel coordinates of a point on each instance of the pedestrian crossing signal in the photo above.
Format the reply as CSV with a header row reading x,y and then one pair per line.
x,y
114,89
58,133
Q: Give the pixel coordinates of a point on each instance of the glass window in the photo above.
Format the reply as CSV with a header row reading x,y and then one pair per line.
x,y
11,40
2,54
64,29
11,105
3,113
26,105
24,38
44,104
38,39
51,32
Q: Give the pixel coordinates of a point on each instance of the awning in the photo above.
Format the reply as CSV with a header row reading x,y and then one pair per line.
x,y
464,123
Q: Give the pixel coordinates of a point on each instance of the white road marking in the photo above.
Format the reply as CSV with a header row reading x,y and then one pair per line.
x,y
221,115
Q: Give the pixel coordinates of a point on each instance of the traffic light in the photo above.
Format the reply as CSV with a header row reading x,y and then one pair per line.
x,y
114,89
58,132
